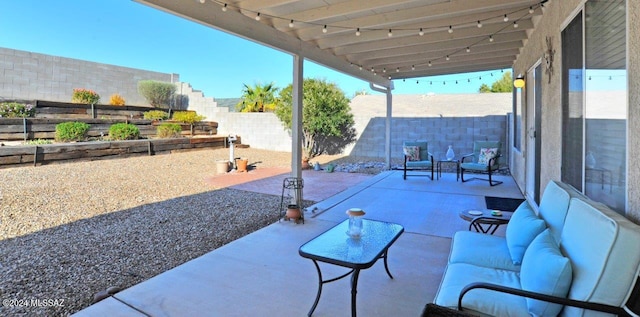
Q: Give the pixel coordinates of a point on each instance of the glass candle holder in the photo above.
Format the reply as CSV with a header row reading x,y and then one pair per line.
x,y
355,222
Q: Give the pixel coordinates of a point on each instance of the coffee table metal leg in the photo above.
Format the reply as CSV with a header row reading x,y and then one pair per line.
x,y
321,282
319,289
386,267
354,291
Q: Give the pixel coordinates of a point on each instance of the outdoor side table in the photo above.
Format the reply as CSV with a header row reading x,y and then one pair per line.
x,y
485,222
445,161
334,246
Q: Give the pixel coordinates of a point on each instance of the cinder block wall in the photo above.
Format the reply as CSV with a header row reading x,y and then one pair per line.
x,y
28,76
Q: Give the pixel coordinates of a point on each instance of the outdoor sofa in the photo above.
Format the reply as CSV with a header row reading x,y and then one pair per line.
x,y
572,251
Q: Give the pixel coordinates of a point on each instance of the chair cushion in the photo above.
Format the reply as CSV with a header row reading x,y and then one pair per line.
x,y
523,227
545,270
487,154
474,166
482,250
411,152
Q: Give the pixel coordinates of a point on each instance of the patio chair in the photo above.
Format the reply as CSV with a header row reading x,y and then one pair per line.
x,y
484,159
417,157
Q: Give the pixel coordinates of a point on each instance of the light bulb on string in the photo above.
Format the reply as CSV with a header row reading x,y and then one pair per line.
x,y
413,67
450,29
421,32
258,16
224,8
468,49
358,32
515,24
506,18
429,64
531,10
397,69
479,24
390,34
447,58
203,1
490,38
324,29
291,23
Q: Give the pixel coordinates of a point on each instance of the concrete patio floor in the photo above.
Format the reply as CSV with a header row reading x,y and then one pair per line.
x,y
262,274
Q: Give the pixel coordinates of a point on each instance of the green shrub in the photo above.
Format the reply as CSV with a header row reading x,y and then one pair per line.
x,y
86,96
123,131
71,131
169,130
38,142
156,115
157,93
16,110
189,117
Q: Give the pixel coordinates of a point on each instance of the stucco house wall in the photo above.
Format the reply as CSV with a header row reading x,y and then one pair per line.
x,y
556,15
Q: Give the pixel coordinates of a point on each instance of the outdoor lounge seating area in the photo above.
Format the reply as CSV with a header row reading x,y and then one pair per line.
x,y
263,273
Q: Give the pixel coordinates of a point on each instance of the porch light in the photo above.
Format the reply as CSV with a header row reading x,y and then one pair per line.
x,y
519,82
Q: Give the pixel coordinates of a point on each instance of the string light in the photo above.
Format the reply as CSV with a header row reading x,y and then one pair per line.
x,y
413,67
421,31
384,70
203,1
397,69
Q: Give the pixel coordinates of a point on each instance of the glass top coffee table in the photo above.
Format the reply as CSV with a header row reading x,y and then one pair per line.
x,y
334,246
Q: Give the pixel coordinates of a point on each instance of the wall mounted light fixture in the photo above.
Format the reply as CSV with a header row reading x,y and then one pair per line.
x,y
519,82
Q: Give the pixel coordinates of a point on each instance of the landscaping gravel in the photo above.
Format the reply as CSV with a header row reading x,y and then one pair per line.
x,y
71,230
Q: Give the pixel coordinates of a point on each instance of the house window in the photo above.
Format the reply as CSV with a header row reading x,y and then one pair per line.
x,y
594,99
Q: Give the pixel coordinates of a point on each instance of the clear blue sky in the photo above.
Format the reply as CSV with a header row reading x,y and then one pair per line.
x,y
125,33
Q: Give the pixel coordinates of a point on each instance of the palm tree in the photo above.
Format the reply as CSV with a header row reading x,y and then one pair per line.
x,y
258,98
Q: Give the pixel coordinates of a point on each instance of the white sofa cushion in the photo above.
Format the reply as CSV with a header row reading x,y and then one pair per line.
x,y
523,227
604,252
554,205
545,270
459,275
481,249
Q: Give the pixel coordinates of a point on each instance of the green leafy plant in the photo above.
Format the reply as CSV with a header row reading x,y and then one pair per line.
x,y
504,84
123,131
71,131
116,100
86,96
258,98
38,142
156,115
327,124
158,94
189,117
169,130
16,110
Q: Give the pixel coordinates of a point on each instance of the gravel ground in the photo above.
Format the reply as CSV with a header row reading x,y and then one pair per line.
x,y
71,230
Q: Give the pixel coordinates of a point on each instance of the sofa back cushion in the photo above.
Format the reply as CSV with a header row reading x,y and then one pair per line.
x,y
603,249
523,227
553,207
545,270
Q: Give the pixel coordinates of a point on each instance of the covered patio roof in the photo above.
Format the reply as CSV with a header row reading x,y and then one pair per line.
x,y
377,40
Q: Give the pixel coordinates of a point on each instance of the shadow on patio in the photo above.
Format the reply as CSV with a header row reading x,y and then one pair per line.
x,y
262,273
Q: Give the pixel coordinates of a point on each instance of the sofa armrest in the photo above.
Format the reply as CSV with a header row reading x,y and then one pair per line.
x,y
543,297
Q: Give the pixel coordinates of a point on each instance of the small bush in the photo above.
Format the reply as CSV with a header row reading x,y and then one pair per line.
x,y
116,100
158,94
156,115
71,131
38,142
169,130
123,131
86,96
16,110
189,117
